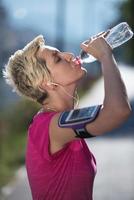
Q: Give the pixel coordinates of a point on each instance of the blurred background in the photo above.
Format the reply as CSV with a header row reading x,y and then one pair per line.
x,y
65,24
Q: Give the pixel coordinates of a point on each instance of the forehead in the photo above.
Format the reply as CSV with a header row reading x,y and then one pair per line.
x,y
46,51
50,48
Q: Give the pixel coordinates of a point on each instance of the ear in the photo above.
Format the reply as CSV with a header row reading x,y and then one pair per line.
x,y
47,86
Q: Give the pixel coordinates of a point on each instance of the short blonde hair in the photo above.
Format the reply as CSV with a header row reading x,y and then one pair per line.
x,y
24,72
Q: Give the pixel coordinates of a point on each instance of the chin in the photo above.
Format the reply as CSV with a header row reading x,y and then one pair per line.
x,y
83,74
84,71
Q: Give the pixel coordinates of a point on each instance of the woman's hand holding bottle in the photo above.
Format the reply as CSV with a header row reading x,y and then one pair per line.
x,y
97,46
115,37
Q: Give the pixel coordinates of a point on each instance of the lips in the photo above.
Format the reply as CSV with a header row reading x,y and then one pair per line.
x,y
77,62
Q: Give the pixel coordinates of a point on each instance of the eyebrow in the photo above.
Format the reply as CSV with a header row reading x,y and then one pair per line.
x,y
54,54
56,51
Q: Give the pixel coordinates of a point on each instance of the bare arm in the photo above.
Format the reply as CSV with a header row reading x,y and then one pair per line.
x,y
116,107
115,90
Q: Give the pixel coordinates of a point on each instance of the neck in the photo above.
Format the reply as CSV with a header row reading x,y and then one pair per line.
x,y
60,100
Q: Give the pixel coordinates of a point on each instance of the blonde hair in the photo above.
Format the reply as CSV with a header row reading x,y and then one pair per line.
x,y
24,72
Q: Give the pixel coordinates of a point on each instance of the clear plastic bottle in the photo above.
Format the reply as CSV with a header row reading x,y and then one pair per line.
x,y
118,35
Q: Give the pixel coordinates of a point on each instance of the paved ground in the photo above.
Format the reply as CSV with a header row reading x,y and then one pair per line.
x,y
115,176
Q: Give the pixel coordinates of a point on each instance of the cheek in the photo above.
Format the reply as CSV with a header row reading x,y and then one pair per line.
x,y
66,74
57,75
63,72
62,76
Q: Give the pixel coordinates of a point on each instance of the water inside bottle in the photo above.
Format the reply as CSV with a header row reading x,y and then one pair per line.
x,y
119,34
85,57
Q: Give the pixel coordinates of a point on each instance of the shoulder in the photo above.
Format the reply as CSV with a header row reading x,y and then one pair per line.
x,y
40,123
42,116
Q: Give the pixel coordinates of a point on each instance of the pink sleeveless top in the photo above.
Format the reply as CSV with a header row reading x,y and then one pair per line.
x,y
65,175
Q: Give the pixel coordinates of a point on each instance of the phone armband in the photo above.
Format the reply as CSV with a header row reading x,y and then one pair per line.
x,y
78,118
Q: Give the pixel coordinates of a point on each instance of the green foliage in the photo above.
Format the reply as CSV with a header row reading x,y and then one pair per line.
x,y
127,14
13,132
21,114
12,155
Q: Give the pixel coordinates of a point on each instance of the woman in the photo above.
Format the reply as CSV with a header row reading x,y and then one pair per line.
x,y
59,164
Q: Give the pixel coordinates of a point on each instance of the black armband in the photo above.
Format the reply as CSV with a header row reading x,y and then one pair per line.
x,y
78,118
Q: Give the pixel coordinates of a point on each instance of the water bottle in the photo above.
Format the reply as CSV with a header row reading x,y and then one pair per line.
x,y
118,35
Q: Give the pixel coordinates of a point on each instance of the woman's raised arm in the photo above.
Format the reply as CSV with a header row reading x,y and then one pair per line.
x,y
116,107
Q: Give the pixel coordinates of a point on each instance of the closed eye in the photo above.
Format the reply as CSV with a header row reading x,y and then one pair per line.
x,y
57,58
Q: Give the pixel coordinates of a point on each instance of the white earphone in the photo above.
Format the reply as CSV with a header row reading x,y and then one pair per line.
x,y
63,89
52,83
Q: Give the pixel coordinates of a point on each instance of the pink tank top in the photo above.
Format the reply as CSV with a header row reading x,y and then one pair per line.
x,y
65,175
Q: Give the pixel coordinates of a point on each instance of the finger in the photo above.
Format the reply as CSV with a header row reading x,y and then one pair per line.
x,y
103,33
99,34
84,46
106,33
87,41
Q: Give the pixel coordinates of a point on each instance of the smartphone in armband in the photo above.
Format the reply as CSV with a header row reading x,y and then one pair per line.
x,y
78,118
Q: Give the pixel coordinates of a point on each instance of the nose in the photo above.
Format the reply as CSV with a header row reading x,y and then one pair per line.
x,y
67,56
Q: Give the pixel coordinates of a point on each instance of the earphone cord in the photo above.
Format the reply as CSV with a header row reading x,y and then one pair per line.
x,y
76,97
77,100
